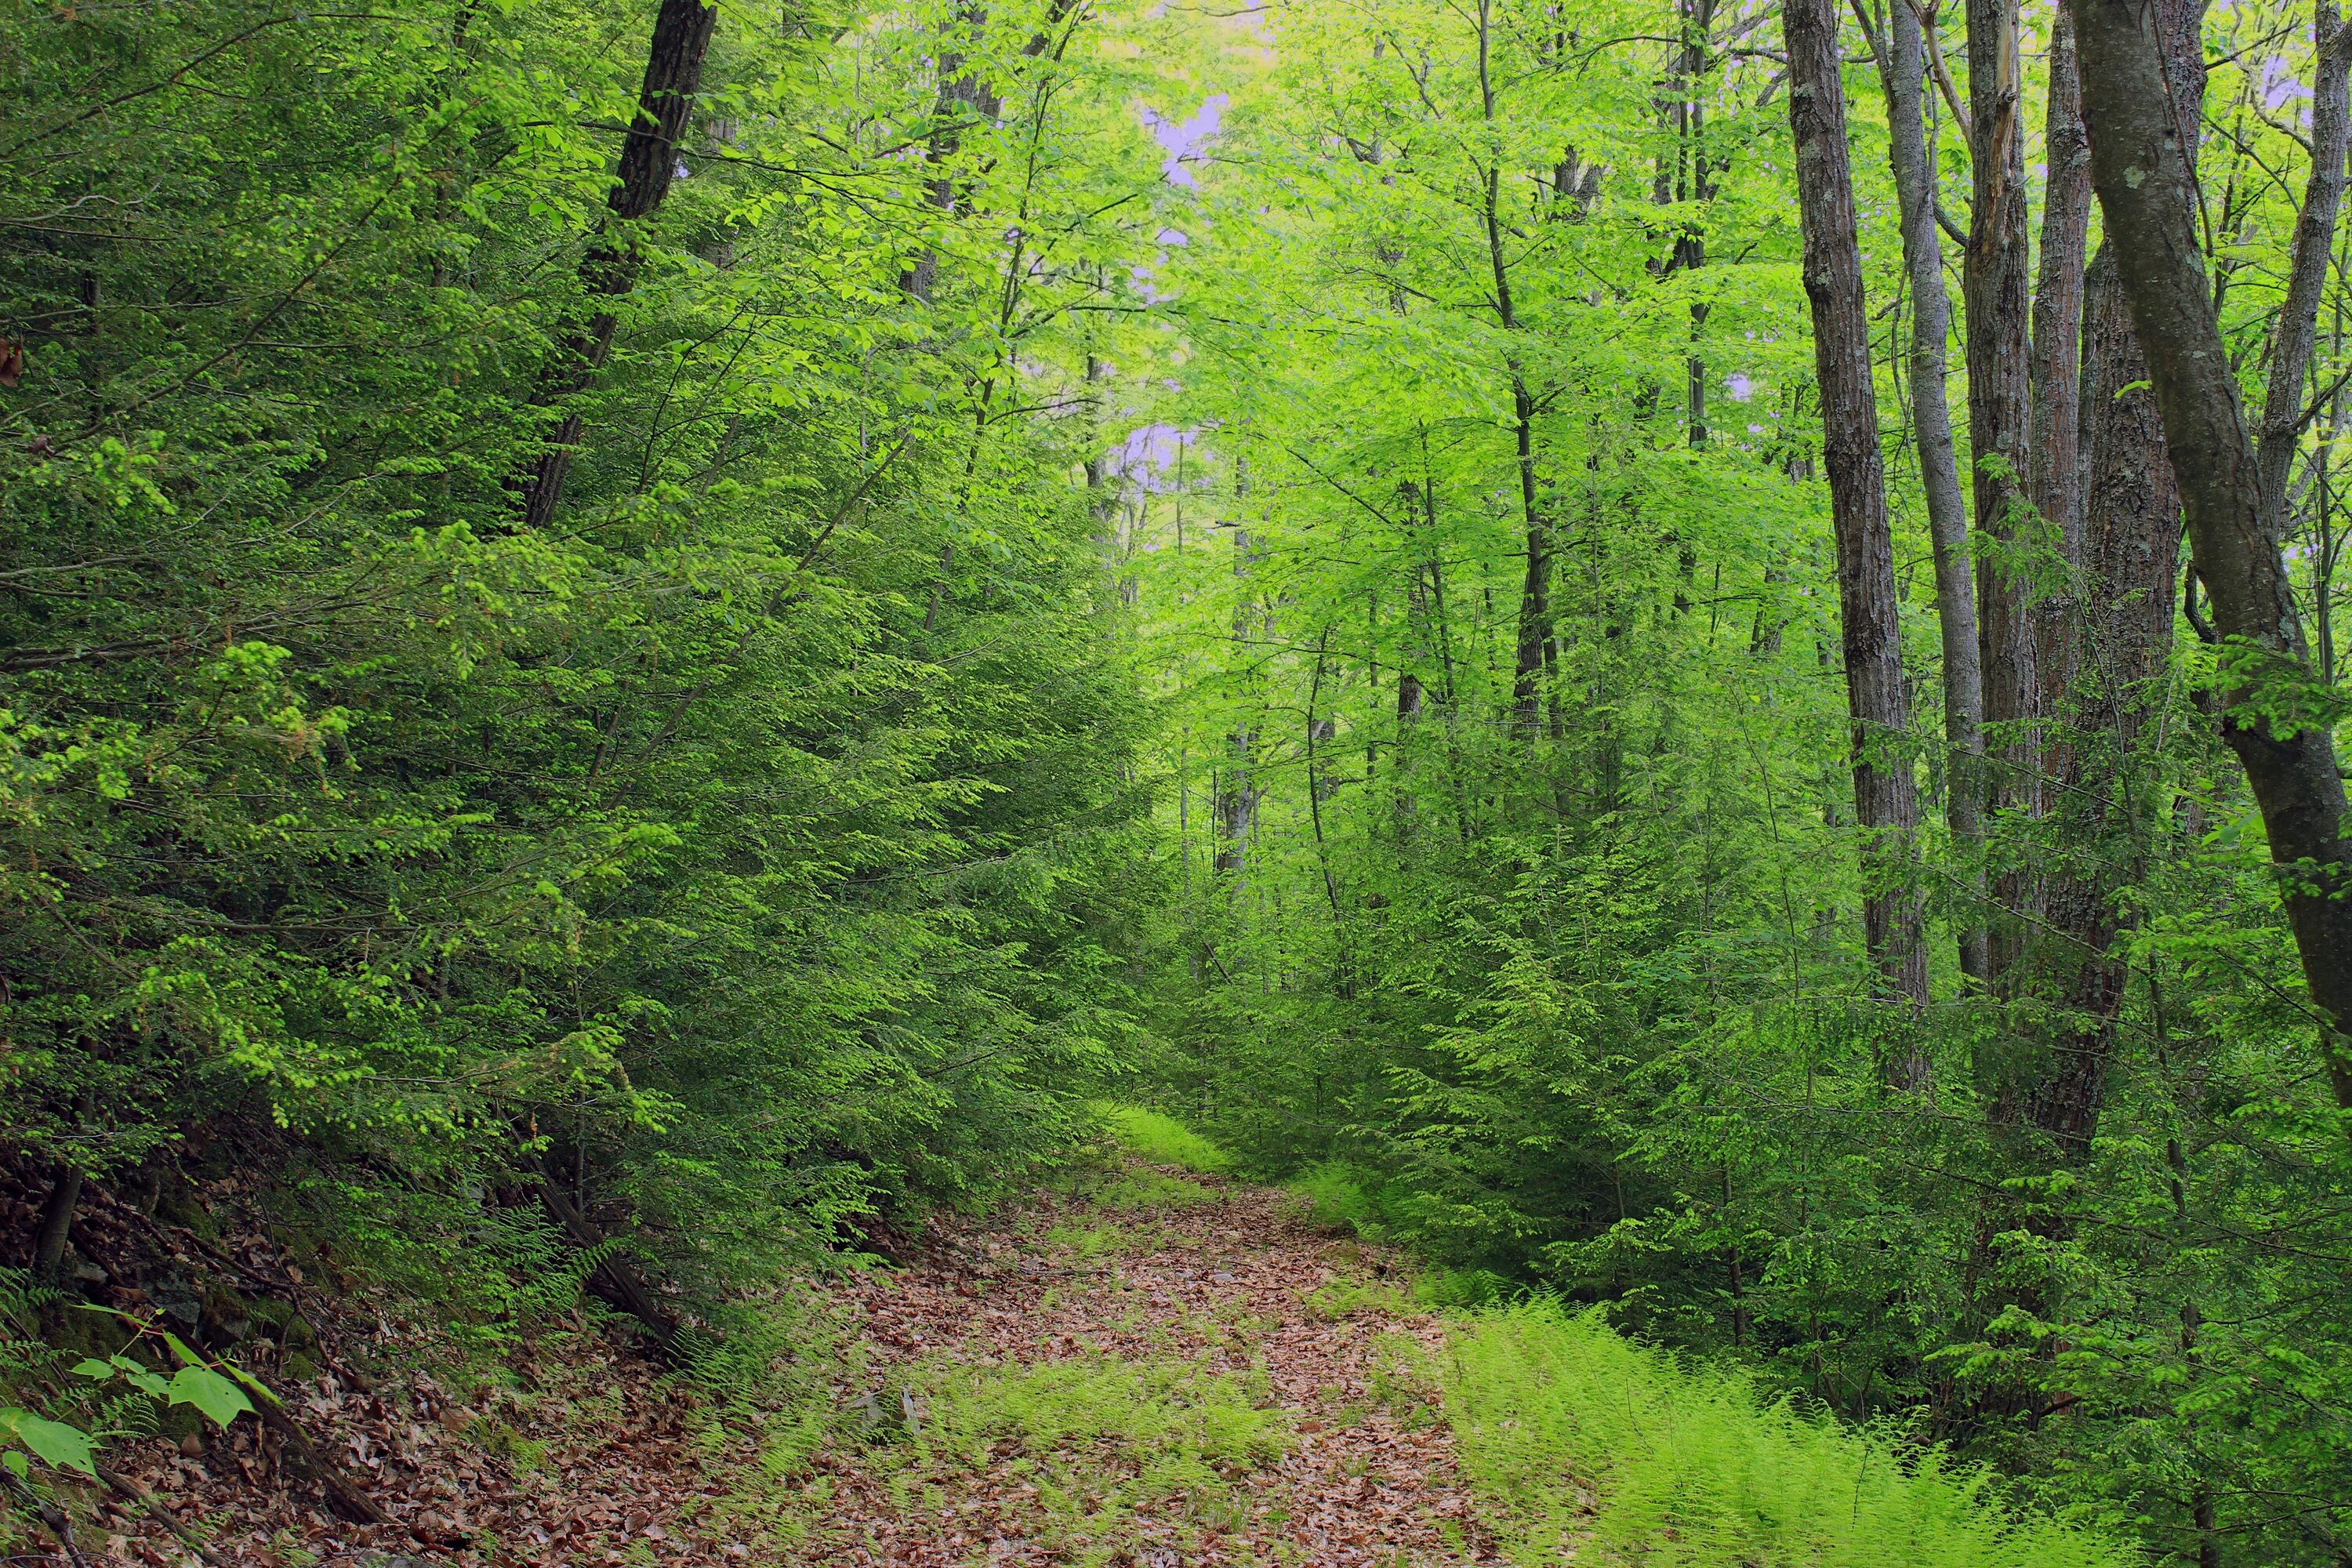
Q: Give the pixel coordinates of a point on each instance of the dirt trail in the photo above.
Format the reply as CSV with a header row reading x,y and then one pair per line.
x,y
1225,1280
1155,1370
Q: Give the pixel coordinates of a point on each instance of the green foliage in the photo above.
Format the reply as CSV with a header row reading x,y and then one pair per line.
x,y
756,844
51,1442
1108,1445
1589,1442
1343,1197
216,1389
1515,919
1161,1140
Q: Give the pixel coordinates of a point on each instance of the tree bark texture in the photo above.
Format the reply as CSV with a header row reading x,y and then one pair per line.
x,y
2315,232
682,31
56,1222
1885,802
1237,793
2139,167
1902,66
1994,280
963,95
2055,454
2121,643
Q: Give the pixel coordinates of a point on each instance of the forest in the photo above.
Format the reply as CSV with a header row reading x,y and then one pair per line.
x,y
1672,660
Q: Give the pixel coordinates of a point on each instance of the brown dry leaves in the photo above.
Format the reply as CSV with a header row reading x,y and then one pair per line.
x,y
593,1458
1238,1283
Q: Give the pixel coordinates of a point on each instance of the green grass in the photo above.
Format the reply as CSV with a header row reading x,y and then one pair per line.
x,y
1161,1140
1111,1446
1581,1437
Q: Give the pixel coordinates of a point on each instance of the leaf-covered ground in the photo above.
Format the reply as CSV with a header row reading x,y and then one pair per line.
x,y
1148,1369
1163,1370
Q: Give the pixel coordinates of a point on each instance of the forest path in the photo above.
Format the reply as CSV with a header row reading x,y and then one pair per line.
x,y
1154,1370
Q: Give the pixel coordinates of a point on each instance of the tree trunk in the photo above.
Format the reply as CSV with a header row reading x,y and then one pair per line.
x,y
682,30
2122,645
57,1223
2315,233
1994,284
2055,477
1236,797
1885,802
1901,62
963,96
615,1281
1534,589
2140,168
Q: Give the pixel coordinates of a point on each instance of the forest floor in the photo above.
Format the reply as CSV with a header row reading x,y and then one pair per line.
x,y
1155,1370
1141,1368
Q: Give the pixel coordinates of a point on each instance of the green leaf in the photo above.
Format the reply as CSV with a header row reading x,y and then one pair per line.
x,y
210,1392
259,1389
67,1448
101,1370
17,1464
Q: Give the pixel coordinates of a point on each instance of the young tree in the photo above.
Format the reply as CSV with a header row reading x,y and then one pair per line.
x,y
1901,53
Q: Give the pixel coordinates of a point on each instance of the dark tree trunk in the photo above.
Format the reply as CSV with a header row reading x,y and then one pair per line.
x,y
1994,284
1886,803
2055,478
615,1282
2121,644
1534,589
2140,169
964,97
1236,796
57,1223
1902,64
682,30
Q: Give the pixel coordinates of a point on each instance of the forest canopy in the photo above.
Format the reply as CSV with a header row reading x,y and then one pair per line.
x,y
1679,653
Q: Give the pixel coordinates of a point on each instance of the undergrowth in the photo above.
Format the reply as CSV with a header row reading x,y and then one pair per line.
x,y
1107,1445
1583,1439
1161,1140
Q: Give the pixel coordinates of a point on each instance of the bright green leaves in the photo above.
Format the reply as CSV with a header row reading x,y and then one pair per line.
x,y
198,1383
218,1399
52,1442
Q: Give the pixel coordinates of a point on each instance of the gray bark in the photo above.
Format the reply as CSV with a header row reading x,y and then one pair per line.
x,y
1885,802
2140,170
1995,286
1902,64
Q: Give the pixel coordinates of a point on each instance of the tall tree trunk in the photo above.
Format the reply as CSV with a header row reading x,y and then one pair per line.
x,y
2315,235
682,30
1691,179
1994,284
2122,644
2104,650
1534,589
2055,477
1902,64
1886,803
2140,169
964,96
1237,792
